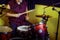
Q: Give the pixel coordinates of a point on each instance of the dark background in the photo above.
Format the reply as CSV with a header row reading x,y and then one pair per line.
x,y
43,2
31,3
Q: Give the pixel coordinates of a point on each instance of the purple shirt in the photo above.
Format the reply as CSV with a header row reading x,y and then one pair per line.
x,y
19,9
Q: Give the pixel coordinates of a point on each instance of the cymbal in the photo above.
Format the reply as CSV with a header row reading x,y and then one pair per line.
x,y
5,29
3,11
43,16
4,8
9,11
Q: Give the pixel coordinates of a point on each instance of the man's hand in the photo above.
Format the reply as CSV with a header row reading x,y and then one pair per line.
x,y
27,17
14,15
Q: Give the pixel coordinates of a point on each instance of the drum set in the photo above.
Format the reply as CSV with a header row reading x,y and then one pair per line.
x,y
30,32
41,28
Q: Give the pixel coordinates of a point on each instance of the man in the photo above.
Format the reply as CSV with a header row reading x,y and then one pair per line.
x,y
18,19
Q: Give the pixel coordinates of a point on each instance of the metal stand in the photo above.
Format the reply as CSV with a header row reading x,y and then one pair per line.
x,y
57,26
58,19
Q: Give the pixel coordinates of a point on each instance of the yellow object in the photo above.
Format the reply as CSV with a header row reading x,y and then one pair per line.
x,y
1,22
5,29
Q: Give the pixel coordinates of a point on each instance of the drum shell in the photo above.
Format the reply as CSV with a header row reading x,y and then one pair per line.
x,y
6,36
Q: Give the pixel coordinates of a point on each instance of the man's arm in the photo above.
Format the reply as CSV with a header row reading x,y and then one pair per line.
x,y
18,14
12,15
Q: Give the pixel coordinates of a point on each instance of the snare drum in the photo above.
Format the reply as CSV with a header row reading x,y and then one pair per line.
x,y
23,28
23,31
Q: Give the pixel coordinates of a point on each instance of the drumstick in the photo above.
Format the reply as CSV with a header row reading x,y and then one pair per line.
x,y
27,12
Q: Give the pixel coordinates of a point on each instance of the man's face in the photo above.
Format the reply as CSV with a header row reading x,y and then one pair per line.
x,y
18,0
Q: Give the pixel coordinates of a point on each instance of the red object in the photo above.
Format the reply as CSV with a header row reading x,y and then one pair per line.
x,y
40,26
5,36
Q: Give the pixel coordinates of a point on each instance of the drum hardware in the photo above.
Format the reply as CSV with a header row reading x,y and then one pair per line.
x,y
17,38
41,28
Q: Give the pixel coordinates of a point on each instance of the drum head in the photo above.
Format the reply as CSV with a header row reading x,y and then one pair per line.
x,y
23,28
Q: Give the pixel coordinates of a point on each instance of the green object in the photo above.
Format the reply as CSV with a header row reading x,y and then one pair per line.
x,y
1,22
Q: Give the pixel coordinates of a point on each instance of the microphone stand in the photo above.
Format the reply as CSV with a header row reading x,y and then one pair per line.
x,y
58,19
57,23
57,26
